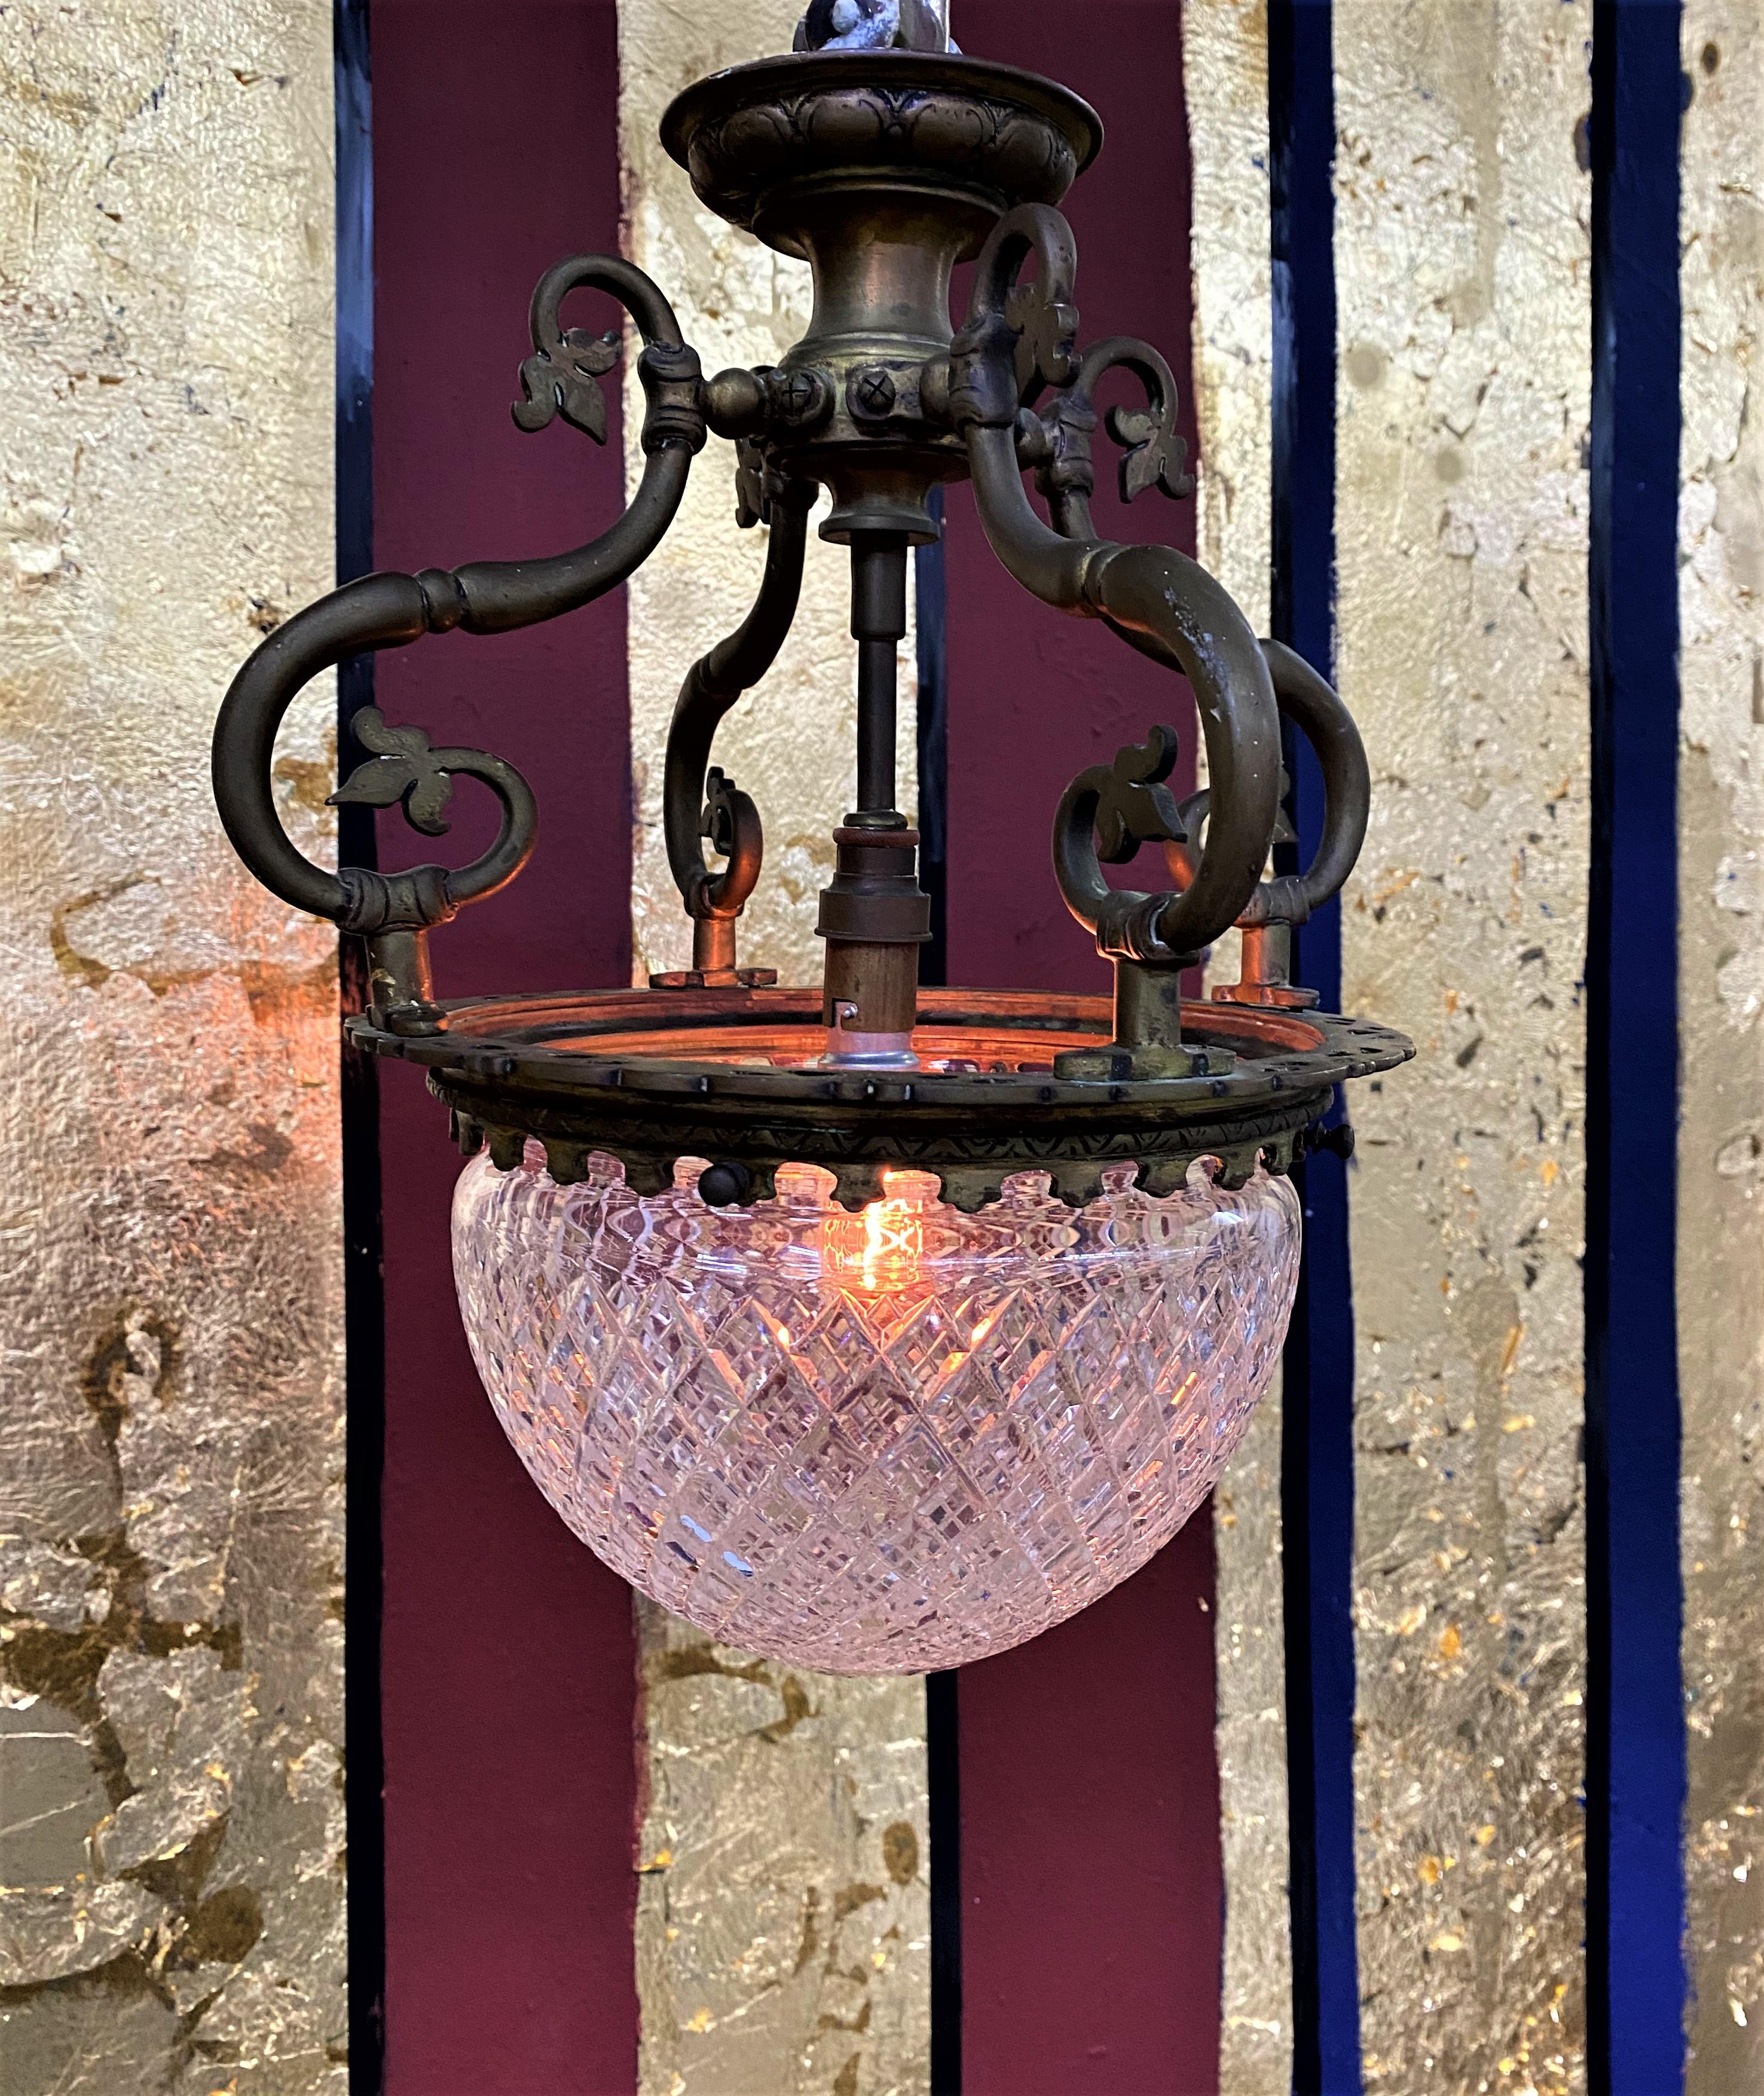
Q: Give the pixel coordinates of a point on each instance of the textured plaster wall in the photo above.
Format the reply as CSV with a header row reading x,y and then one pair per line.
x,y
784,1934
783,1919
1225,63
1720,989
171,1827
1462,262
790,744
1225,69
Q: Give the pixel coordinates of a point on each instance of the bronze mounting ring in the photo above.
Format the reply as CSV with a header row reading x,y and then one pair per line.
x,y
730,1075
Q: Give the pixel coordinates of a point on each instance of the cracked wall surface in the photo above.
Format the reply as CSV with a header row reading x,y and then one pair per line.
x,y
1721,995
1462,255
792,742
1225,61
783,1927
171,1812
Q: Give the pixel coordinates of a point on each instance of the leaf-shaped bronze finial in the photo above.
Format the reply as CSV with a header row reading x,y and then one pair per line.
x,y
403,768
1134,807
1047,353
1155,455
559,379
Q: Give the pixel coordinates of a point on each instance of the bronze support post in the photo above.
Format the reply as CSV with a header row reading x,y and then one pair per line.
x,y
875,916
878,625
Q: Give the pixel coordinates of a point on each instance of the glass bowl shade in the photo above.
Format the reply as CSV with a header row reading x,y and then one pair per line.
x,y
875,1443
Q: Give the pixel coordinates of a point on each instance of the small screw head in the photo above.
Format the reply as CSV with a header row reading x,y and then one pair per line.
x,y
871,390
797,395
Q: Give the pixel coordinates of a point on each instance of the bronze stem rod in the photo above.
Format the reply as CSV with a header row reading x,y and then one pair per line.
x,y
878,625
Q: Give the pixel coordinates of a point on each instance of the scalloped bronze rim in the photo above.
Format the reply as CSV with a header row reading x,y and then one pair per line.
x,y
499,1069
793,75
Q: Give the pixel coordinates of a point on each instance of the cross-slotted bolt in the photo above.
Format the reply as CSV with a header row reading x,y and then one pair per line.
x,y
797,395
872,390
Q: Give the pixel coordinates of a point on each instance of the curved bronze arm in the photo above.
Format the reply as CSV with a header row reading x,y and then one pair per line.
x,y
1315,709
491,596
1309,702
712,686
1017,340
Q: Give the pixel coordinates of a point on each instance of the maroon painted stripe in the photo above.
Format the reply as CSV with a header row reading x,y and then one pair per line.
x,y
508,1687
1092,1881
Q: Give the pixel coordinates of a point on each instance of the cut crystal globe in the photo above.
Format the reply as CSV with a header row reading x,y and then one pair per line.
x,y
884,1442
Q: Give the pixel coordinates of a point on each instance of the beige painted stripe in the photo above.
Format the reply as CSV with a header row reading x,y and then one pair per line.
x,y
1721,988
1224,44
783,1932
791,743
171,1397
1462,267
1225,64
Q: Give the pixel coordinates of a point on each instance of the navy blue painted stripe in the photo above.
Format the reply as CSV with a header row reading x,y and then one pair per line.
x,y
1635,1742
364,1306
943,1777
1317,1461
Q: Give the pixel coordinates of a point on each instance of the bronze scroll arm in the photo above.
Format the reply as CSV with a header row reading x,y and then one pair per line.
x,y
1018,340
711,688
391,610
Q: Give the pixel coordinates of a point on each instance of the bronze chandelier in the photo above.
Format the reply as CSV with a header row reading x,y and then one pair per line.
x,y
717,1123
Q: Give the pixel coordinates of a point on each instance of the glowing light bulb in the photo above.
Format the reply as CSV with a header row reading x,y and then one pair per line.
x,y
880,1249
879,1442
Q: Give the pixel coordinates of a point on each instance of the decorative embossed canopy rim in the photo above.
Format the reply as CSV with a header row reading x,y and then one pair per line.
x,y
988,135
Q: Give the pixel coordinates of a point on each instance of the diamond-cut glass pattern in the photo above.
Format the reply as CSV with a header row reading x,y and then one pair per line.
x,y
873,1444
